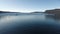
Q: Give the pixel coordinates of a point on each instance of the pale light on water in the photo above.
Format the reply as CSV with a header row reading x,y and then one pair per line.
x,y
28,23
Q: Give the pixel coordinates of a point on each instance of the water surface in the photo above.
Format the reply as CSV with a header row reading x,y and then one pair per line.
x,y
29,24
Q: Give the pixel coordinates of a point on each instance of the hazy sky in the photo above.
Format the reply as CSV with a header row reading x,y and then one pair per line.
x,y
28,5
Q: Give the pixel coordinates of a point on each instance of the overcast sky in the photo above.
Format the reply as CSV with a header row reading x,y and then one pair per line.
x,y
28,5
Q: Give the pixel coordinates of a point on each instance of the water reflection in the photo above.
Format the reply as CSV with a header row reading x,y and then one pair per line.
x,y
55,18
29,24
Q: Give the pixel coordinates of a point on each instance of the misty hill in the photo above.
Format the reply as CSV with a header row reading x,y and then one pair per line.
x,y
7,12
37,12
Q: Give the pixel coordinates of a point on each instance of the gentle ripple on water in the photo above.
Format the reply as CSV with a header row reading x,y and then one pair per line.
x,y
29,24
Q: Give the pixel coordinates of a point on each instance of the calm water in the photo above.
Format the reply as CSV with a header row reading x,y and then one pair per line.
x,y
29,24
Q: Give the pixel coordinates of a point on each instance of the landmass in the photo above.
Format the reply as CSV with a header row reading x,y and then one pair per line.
x,y
7,12
55,12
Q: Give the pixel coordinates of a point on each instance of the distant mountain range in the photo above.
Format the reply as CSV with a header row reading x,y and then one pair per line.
x,y
37,12
53,11
18,12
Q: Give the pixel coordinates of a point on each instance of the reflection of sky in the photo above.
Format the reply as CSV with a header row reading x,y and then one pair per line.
x,y
23,18
13,21
10,22
28,5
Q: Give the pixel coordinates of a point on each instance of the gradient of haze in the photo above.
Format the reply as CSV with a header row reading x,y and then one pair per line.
x,y
28,5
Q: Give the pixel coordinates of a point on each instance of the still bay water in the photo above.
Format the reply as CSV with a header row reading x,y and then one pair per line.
x,y
29,24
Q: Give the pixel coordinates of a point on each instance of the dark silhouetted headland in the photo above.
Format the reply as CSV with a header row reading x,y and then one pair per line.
x,y
54,11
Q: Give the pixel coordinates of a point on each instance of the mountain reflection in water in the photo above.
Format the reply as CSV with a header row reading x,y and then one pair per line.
x,y
29,24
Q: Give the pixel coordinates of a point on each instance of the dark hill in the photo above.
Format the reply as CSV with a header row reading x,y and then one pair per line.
x,y
54,11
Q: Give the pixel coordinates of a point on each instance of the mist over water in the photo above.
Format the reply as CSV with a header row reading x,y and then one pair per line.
x,y
29,24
